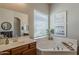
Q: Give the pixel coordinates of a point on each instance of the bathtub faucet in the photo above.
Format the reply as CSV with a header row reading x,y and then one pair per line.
x,y
50,37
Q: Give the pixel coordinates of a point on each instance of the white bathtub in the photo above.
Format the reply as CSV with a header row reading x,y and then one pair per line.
x,y
55,46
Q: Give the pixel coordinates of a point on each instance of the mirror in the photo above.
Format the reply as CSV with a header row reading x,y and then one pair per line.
x,y
13,23
6,26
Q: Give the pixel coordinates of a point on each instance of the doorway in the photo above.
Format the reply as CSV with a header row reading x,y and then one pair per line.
x,y
17,24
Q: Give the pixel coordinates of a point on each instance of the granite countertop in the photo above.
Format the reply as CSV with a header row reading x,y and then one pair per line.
x,y
56,44
21,41
43,44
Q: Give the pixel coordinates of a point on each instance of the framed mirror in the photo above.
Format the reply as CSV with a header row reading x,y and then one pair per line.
x,y
6,26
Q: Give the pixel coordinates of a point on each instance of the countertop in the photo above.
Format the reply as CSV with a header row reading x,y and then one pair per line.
x,y
43,44
21,41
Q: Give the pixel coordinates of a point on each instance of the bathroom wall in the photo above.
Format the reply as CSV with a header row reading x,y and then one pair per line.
x,y
27,8
20,7
7,15
72,15
42,8
24,22
72,10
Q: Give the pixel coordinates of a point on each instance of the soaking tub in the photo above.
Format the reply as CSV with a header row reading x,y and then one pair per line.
x,y
56,46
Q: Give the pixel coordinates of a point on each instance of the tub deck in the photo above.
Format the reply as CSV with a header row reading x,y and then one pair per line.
x,y
56,46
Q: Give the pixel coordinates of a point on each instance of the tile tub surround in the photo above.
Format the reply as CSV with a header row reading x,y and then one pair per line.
x,y
55,46
21,41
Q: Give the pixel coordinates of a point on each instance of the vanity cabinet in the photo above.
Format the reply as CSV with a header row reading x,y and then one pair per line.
x,y
6,52
31,50
19,50
27,49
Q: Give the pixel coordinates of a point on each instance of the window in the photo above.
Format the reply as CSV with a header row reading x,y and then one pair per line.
x,y
40,24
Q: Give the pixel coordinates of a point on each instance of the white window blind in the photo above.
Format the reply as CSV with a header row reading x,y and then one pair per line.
x,y
40,24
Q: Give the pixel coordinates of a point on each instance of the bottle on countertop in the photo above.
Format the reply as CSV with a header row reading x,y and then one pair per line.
x,y
6,41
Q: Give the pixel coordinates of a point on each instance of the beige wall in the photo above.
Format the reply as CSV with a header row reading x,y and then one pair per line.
x,y
20,7
72,18
72,15
27,8
43,8
7,15
24,21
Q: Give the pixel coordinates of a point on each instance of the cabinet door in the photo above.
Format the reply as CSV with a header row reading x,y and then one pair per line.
x,y
6,52
30,52
32,45
19,50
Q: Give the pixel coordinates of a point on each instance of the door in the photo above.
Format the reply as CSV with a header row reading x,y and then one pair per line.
x,y
16,27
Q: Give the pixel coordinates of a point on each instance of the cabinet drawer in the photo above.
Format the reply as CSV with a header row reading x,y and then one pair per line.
x,y
33,45
18,50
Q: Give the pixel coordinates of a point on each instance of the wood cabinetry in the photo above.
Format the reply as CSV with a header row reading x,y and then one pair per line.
x,y
28,49
31,50
19,50
6,52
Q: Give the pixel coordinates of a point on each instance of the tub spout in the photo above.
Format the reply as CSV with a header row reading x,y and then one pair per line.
x,y
50,38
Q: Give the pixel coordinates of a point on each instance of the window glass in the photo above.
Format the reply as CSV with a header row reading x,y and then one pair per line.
x,y
40,24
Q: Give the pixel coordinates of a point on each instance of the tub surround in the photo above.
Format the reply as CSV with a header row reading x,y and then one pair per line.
x,y
24,43
56,46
